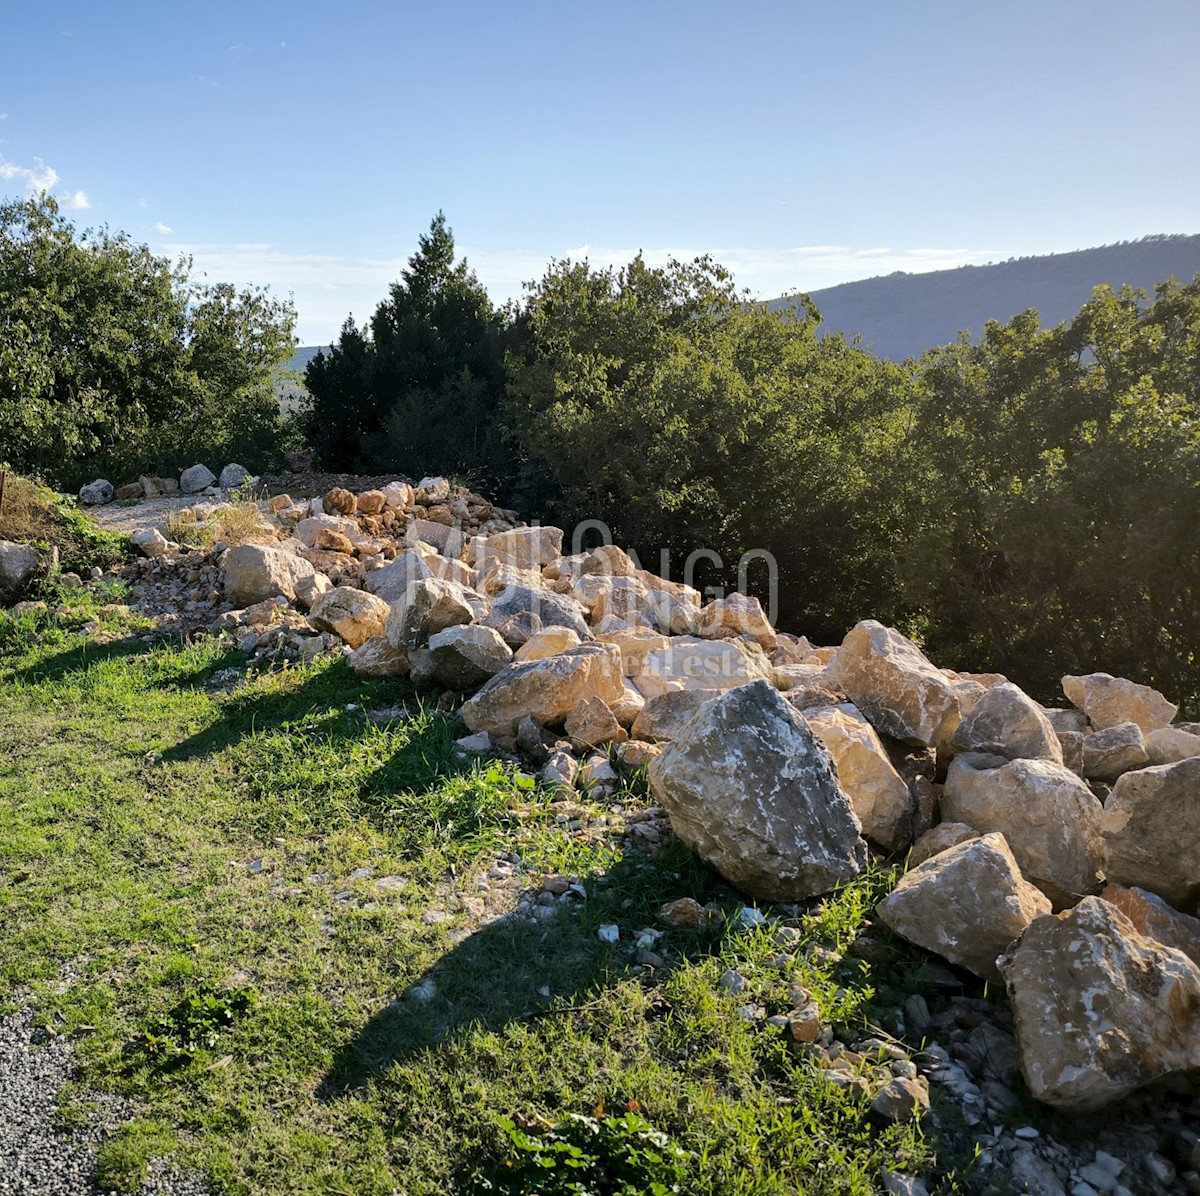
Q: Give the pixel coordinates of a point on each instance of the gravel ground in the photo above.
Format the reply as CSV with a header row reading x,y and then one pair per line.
x,y
36,1159
150,512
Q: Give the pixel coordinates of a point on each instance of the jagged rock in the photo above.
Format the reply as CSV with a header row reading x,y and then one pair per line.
x,y
339,501
881,800
427,607
310,590
97,493
1099,1009
517,630
254,572
898,690
1152,830
18,564
669,614
391,582
398,496
636,753
1169,745
902,1099
1116,750
554,610
371,502
377,658
630,706
545,690
433,490
608,560
548,642
736,615
1109,700
1007,722
309,531
664,717
447,539
353,614
1071,743
130,492
752,791
685,913
467,655
560,771
154,487
938,839
233,476
708,665
525,547
330,541
196,478
1155,919
1067,720
635,643
1047,814
591,723
966,904
151,541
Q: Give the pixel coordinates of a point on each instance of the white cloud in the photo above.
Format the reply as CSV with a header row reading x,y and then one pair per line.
x,y
36,178
326,287
3,116
163,230
143,203
74,201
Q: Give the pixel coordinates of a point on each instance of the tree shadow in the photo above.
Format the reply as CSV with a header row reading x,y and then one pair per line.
x,y
520,970
77,659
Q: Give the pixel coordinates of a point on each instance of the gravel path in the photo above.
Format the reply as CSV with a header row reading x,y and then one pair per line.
x,y
36,1159
150,512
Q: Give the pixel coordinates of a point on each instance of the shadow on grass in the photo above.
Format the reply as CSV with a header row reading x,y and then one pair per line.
x,y
85,655
502,973
314,699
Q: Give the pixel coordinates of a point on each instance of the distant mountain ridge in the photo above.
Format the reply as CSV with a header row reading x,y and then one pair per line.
x,y
901,315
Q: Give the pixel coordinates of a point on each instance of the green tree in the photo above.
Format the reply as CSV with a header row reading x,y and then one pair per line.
x,y
418,388
113,360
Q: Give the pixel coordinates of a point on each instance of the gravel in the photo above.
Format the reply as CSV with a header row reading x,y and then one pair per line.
x,y
36,1158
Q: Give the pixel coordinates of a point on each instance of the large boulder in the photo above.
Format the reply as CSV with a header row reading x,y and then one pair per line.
x,y
525,547
750,789
896,687
548,642
466,655
446,538
391,582
97,493
1109,700
1099,1009
1155,919
233,476
1152,830
1169,745
881,800
1006,722
1049,817
309,531
545,690
378,658
692,663
353,614
427,607
554,610
665,716
255,572
196,478
737,614
966,904
1114,751
18,564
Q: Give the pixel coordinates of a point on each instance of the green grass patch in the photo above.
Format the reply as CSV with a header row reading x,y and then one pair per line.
x,y
173,841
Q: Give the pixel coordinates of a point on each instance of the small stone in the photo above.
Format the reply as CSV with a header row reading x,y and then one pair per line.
x,y
684,914
902,1100
610,933
196,478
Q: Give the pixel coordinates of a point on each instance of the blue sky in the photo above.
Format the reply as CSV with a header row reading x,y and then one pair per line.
x,y
306,146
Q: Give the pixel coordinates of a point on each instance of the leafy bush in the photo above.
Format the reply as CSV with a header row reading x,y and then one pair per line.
x,y
589,1156
114,361
196,1023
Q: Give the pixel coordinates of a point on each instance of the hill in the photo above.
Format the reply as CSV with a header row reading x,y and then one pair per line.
x,y
901,315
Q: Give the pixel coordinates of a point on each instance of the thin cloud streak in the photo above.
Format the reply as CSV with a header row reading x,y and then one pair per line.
x,y
361,282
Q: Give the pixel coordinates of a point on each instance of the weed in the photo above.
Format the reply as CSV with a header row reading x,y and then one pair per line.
x,y
195,1023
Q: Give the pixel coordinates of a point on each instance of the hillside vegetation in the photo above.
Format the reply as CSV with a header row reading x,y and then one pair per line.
x,y
903,315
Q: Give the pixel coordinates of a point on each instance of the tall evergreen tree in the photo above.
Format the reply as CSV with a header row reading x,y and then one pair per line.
x,y
419,388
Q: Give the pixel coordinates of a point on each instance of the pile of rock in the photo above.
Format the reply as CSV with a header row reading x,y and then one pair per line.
x,y
1055,850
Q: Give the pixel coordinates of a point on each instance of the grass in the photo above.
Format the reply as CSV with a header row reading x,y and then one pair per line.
x,y
238,522
178,847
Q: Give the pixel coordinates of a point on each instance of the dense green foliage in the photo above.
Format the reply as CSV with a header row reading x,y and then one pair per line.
x,y
422,383
1025,504
114,361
